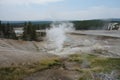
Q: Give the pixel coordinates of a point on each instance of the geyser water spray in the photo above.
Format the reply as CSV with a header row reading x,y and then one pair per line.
x,y
56,35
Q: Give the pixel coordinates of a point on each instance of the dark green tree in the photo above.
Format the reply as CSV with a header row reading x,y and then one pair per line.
x,y
25,31
33,35
0,25
1,32
7,31
10,33
29,32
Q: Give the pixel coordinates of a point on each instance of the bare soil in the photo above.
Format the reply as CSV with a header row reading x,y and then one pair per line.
x,y
17,52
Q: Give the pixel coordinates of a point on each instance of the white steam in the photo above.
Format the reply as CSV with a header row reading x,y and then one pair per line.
x,y
57,34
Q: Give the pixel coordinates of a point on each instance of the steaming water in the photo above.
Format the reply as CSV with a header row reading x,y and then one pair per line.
x,y
59,43
56,35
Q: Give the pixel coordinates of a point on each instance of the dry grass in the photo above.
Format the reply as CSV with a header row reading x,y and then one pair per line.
x,y
97,65
19,72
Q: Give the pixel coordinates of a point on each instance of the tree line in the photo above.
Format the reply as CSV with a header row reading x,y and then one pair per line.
x,y
89,24
29,28
7,31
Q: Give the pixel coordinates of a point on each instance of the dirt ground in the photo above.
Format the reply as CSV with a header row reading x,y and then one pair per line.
x,y
54,74
16,52
20,52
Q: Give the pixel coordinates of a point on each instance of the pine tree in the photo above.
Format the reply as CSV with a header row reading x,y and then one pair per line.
x,y
0,25
1,33
33,33
29,32
10,34
25,31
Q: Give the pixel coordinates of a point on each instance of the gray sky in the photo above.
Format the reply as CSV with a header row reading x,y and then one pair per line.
x,y
58,9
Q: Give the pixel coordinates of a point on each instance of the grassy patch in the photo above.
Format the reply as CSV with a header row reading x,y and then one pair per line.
x,y
50,62
79,58
19,72
97,64
12,73
107,64
75,58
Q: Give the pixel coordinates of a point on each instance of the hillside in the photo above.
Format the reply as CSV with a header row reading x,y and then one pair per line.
x,y
83,57
20,52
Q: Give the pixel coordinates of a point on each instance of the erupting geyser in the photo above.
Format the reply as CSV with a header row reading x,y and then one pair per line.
x,y
56,35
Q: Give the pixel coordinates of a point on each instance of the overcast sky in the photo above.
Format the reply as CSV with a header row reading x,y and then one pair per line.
x,y
58,9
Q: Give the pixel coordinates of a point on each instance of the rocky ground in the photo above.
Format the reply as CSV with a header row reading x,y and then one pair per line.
x,y
83,57
20,52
